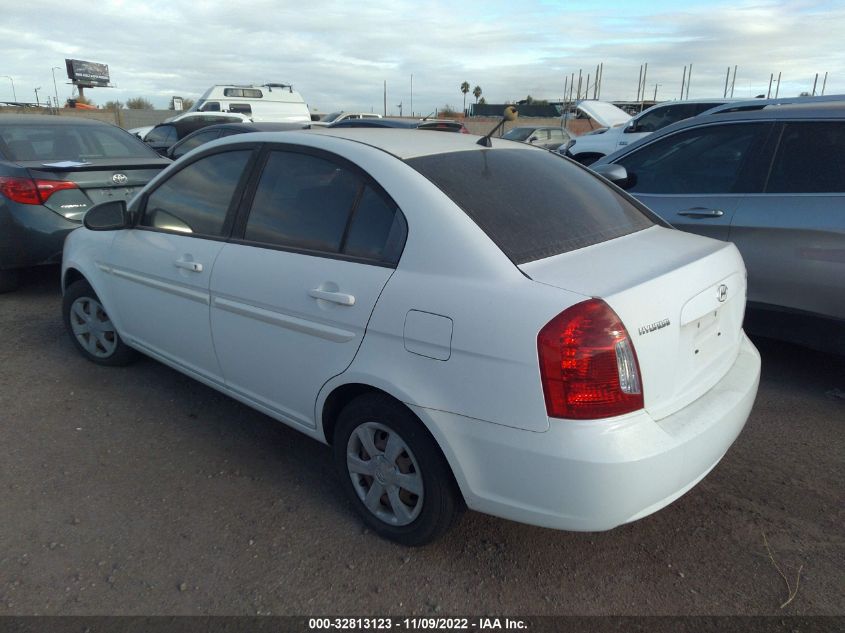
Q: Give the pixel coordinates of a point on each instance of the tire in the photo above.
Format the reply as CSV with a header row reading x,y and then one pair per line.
x,y
90,328
419,499
9,280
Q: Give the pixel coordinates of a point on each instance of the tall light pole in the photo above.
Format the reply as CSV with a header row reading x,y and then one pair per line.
x,y
55,90
37,102
14,96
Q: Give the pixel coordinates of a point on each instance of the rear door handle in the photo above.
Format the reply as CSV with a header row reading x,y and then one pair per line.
x,y
194,267
335,297
702,212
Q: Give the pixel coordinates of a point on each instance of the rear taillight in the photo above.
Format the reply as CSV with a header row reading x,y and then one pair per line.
x,y
29,191
588,365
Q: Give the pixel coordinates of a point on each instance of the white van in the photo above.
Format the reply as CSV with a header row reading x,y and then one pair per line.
x,y
267,102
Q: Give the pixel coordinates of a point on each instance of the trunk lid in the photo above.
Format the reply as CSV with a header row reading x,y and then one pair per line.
x,y
97,181
604,113
680,296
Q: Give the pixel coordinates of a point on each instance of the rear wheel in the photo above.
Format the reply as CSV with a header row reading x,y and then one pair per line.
x,y
393,471
91,329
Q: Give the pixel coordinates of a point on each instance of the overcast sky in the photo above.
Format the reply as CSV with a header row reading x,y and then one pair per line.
x,y
338,54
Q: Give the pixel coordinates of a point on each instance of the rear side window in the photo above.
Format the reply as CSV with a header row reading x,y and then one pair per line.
x,y
809,159
194,141
69,142
312,203
161,134
707,159
196,199
249,93
532,204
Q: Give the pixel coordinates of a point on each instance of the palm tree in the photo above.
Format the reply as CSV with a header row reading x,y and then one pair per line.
x,y
476,92
465,90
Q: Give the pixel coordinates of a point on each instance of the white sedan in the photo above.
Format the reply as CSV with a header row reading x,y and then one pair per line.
x,y
490,327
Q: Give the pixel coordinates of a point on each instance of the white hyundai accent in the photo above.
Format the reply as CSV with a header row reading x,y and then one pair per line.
x,y
496,327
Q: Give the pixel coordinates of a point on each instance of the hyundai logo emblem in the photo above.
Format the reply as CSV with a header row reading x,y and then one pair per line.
x,y
120,179
723,293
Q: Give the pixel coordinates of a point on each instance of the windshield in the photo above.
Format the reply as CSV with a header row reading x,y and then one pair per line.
x,y
532,204
519,133
70,142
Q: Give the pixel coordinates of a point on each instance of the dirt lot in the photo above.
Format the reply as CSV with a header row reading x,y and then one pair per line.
x,y
140,491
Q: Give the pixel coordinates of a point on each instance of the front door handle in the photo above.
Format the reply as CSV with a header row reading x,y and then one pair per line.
x,y
335,297
194,267
702,212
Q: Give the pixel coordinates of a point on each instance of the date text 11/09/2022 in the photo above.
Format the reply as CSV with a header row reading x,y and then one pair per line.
x,y
424,623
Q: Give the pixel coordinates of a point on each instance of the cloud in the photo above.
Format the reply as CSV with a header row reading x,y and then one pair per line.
x,y
338,54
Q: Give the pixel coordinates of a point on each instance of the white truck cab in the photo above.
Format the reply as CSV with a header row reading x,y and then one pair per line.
x,y
267,102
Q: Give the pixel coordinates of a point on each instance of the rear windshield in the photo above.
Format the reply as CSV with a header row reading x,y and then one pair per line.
x,y
69,142
533,205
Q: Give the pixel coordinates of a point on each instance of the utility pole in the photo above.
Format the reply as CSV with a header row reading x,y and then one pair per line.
x,y
727,78
14,96
655,91
689,79
639,82
601,76
769,91
815,82
824,83
777,90
400,109
683,82
412,94
642,92
578,97
385,97
55,90
37,102
733,81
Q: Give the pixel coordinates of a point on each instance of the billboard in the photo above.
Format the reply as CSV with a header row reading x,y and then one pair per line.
x,y
88,74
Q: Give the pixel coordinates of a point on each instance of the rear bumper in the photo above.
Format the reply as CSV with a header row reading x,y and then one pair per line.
x,y
31,234
596,475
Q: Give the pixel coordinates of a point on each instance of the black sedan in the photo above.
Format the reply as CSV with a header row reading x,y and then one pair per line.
x,y
165,135
52,169
206,134
438,125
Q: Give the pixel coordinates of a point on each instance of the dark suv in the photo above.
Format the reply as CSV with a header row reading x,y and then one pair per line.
x,y
52,169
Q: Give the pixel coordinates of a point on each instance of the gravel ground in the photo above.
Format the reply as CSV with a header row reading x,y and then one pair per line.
x,y
139,491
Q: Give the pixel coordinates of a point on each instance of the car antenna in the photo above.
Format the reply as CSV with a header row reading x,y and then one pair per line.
x,y
425,118
510,114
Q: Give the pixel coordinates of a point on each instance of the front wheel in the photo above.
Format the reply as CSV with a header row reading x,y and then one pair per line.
x,y
91,329
393,471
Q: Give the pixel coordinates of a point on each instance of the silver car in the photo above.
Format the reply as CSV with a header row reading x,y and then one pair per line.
x,y
773,182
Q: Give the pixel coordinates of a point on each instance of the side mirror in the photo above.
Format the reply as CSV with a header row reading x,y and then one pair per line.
x,y
630,127
107,216
616,174
532,139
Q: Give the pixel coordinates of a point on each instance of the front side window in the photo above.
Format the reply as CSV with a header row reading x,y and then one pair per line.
x,y
210,106
809,159
196,199
312,203
706,159
242,108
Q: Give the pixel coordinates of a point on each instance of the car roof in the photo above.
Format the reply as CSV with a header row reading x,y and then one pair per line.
x,y
46,119
832,110
756,104
378,122
404,144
